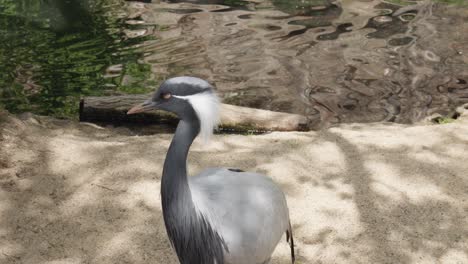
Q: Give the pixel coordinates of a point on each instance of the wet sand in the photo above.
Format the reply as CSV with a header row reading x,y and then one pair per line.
x,y
358,193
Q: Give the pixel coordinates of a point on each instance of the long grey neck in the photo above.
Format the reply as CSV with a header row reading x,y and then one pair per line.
x,y
174,182
194,239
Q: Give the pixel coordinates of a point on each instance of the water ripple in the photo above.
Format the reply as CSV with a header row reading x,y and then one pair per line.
x,y
340,61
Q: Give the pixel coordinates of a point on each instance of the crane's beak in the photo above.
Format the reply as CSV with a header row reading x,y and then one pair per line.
x,y
143,107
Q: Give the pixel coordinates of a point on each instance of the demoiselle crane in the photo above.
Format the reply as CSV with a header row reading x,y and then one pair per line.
x,y
221,216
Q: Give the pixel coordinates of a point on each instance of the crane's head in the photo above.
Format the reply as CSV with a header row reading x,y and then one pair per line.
x,y
189,98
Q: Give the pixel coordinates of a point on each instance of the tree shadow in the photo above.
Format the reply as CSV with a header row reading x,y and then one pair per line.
x,y
87,196
58,209
397,230
417,213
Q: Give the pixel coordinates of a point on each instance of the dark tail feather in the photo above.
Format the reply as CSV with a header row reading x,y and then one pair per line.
x,y
290,239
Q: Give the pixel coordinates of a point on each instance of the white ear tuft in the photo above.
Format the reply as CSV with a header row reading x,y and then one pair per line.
x,y
206,106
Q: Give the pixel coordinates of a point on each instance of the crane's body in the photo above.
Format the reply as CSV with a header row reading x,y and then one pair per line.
x,y
221,216
248,210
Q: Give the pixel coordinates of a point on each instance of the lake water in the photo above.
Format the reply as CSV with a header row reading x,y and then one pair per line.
x,y
342,61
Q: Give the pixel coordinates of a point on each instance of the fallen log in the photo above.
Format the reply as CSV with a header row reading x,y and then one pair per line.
x,y
113,109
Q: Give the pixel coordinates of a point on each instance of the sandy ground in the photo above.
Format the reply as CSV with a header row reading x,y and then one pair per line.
x,y
358,193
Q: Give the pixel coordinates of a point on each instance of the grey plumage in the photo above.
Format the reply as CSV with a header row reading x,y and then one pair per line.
x,y
191,234
221,216
247,209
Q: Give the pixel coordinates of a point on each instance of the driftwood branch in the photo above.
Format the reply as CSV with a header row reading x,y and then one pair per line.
x,y
112,109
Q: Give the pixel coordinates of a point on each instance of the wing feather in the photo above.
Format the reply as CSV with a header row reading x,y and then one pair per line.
x,y
248,210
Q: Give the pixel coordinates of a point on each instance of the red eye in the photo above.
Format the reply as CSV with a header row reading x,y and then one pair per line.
x,y
166,96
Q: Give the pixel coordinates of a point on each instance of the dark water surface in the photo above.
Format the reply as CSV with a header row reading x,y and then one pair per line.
x,y
52,52
334,61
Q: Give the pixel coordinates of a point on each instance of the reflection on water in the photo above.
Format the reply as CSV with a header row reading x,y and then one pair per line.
x,y
335,61
54,51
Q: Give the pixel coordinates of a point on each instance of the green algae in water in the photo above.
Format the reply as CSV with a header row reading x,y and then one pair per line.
x,y
451,2
53,52
444,120
303,7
